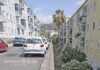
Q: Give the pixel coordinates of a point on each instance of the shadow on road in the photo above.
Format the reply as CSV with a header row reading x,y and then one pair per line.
x,y
31,55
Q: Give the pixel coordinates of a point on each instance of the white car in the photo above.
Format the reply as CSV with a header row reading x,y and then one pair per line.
x,y
46,42
34,46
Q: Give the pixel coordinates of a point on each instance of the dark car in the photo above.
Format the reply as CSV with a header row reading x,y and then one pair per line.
x,y
3,46
18,41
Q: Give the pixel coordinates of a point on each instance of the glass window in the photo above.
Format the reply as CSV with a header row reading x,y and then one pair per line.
x,y
18,31
82,39
29,41
1,27
83,28
93,25
37,41
16,7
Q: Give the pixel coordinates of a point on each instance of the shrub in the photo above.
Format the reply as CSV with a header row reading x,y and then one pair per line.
x,y
76,65
68,53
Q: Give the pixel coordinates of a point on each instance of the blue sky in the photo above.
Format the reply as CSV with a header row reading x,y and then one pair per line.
x,y
44,9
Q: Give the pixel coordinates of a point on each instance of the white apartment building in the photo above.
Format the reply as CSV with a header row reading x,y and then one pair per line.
x,y
36,26
27,23
7,19
63,32
17,20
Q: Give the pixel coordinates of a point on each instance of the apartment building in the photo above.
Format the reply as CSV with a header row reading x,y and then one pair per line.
x,y
17,20
36,26
63,32
27,23
7,19
83,31
92,42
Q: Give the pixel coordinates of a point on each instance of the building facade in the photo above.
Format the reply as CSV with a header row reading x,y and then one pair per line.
x,y
83,31
17,20
7,19
63,32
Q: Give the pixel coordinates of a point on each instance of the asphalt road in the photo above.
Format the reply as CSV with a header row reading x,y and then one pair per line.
x,y
13,59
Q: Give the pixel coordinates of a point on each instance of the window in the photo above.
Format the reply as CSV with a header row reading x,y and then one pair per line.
x,y
64,40
70,40
64,33
16,7
93,25
37,41
17,19
18,31
82,44
87,26
23,22
22,31
1,27
0,10
29,41
98,45
21,1
82,39
83,28
70,31
94,6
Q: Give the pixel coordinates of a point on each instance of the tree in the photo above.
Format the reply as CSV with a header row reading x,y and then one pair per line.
x,y
76,65
59,18
55,39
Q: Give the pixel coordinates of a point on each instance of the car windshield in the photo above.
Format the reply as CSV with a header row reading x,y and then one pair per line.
x,y
19,39
29,41
44,40
37,41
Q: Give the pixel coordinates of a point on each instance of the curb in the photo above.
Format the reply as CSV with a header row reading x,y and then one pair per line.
x,y
48,62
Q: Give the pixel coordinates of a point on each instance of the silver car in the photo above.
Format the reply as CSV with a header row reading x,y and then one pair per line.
x,y
34,46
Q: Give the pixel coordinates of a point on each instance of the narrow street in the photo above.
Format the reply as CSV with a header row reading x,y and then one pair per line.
x,y
13,59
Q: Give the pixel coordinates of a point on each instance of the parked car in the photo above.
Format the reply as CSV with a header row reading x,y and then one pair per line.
x,y
18,41
34,46
3,46
46,42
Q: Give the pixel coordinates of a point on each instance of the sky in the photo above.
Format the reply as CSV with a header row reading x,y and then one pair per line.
x,y
44,9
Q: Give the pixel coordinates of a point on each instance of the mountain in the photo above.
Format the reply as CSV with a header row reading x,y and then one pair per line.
x,y
50,26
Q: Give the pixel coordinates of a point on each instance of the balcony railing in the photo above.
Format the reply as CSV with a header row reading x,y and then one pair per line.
x,y
20,26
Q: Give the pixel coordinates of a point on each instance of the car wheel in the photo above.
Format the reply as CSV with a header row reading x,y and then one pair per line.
x,y
25,55
13,44
43,55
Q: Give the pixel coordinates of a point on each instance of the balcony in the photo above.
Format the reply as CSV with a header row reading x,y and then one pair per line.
x,y
18,13
82,18
20,26
2,2
77,34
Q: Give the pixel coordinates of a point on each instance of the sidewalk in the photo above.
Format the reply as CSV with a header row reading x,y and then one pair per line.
x,y
48,63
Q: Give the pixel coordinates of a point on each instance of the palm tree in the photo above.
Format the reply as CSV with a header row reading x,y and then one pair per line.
x,y
59,18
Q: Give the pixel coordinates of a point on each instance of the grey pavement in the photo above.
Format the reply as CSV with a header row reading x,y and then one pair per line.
x,y
13,59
